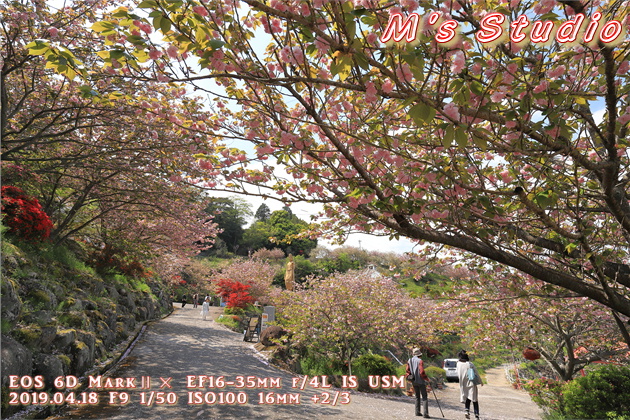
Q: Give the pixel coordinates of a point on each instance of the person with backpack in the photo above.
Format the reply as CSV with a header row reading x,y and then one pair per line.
x,y
468,380
419,379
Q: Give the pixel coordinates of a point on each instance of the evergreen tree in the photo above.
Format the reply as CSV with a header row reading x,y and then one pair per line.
x,y
263,213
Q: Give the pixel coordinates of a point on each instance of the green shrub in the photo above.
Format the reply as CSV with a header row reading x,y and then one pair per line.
x,y
313,365
373,364
234,311
603,393
436,375
229,322
67,258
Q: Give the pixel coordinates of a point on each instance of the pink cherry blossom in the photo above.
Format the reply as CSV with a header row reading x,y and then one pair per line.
x,y
451,111
200,10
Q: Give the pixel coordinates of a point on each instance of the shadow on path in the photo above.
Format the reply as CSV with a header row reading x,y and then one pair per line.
x,y
182,345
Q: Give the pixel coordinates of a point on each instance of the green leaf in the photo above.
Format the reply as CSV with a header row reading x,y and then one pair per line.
x,y
157,22
570,248
103,26
421,113
361,60
116,54
347,6
141,55
148,4
417,69
481,142
136,40
87,91
121,12
461,137
369,19
356,193
216,44
485,202
351,28
545,199
360,12
307,34
476,87
165,25
407,102
38,47
343,66
449,134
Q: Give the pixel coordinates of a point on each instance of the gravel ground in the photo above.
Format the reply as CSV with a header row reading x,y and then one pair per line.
x,y
183,345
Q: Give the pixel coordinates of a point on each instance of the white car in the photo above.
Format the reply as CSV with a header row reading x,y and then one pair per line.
x,y
450,367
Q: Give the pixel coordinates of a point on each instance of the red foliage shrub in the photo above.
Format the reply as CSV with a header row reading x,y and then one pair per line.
x,y
234,293
110,258
24,215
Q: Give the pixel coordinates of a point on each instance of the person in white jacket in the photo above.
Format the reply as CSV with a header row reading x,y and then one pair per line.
x,y
468,388
205,308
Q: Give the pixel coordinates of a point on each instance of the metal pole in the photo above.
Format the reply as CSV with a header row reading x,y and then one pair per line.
x,y
399,362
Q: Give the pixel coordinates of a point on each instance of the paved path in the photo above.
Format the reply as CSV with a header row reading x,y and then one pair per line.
x,y
182,344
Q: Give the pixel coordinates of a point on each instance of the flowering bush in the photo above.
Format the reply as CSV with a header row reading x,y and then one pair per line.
x,y
234,293
256,274
547,394
24,215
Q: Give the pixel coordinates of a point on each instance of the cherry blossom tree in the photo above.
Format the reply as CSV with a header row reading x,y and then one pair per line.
x,y
255,273
106,155
569,331
343,314
499,151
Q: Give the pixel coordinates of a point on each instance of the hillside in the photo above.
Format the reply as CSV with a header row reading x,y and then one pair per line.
x,y
59,317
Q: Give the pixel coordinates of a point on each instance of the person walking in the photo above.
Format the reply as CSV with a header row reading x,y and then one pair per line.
x,y
468,382
195,300
205,308
419,380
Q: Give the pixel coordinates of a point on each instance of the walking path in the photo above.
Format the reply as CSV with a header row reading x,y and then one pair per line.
x,y
183,345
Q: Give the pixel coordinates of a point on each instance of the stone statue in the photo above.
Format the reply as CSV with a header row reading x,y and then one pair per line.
x,y
289,274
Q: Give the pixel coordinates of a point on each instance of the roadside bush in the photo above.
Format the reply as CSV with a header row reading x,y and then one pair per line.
x,y
548,395
437,376
374,364
603,393
233,311
229,322
313,365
